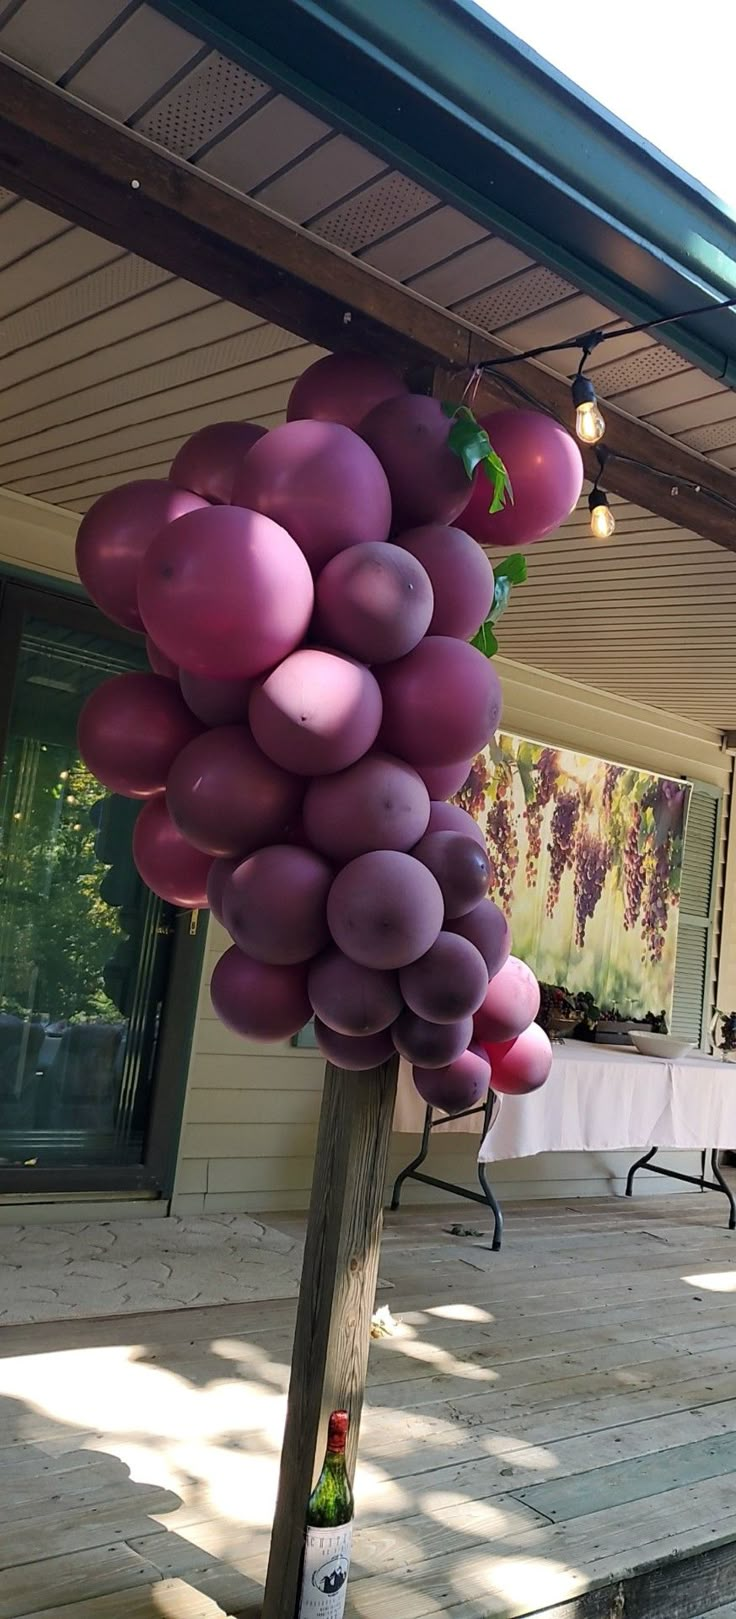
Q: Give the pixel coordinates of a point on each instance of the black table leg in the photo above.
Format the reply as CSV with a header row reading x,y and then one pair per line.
x,y
718,1177
415,1163
413,1171
717,1184
641,1163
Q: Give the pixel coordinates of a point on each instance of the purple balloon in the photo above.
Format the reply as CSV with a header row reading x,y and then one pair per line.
x,y
442,781
384,909
275,904
378,803
160,664
461,1084
428,482
441,701
211,458
114,537
130,731
216,702
166,862
460,574
224,592
316,713
374,601
351,999
342,388
546,472
258,1001
356,1053
461,867
448,983
486,927
322,483
226,797
219,873
430,1045
451,818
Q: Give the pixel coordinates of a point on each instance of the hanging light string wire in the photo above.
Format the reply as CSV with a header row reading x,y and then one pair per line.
x,y
588,341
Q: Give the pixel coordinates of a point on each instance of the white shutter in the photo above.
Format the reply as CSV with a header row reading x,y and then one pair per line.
x,y
692,1000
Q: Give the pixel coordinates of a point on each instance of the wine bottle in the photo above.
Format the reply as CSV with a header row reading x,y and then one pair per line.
x,y
329,1532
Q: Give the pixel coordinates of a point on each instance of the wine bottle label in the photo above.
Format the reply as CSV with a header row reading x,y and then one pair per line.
x,y
325,1572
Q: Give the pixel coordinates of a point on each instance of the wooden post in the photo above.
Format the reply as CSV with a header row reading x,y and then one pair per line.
x,y
336,1299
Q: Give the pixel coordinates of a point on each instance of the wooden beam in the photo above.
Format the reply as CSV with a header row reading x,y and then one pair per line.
x,y
103,176
336,1297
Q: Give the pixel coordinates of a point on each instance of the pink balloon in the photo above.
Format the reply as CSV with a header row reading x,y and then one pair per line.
x,y
160,664
442,781
316,713
521,1065
510,1005
351,999
441,701
166,862
545,467
430,1045
374,601
226,797
461,1084
219,873
216,702
114,536
210,459
447,983
342,388
378,803
461,867
451,818
322,483
259,1001
384,909
460,573
356,1053
224,592
486,927
275,904
428,482
130,731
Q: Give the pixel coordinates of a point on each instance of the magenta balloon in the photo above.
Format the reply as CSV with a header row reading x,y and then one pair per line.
x,y
378,803
130,731
219,873
275,904
441,701
486,927
114,537
210,459
451,818
460,574
352,999
216,702
521,1065
225,593
545,467
374,601
461,1084
226,797
342,388
511,1003
357,1053
442,781
316,713
166,862
160,664
430,1045
384,909
322,483
428,482
259,1001
448,983
461,867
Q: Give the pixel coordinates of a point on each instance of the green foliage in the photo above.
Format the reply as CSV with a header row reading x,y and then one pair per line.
x,y
470,442
505,574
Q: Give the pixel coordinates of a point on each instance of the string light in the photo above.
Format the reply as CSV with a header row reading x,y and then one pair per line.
x,y
602,520
590,423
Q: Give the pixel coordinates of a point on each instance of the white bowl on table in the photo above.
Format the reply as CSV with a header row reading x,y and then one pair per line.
x,y
660,1045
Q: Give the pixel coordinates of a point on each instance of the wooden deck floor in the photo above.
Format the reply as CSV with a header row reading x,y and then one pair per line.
x,y
547,1421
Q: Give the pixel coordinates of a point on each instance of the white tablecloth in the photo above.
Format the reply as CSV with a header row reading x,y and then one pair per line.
x,y
599,1099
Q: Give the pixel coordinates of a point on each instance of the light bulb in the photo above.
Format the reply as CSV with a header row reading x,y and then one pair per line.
x,y
602,520
589,423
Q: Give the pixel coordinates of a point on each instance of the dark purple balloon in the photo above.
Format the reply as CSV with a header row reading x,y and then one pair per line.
x,y
275,904
428,482
226,797
210,459
384,909
351,999
219,873
342,388
545,467
461,577
130,731
356,1053
378,803
445,817
374,601
160,664
486,927
166,862
216,702
461,1084
447,983
461,867
258,1001
430,1045
442,701
114,537
316,713
442,781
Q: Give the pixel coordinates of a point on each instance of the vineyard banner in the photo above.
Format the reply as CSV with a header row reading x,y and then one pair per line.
x,y
586,862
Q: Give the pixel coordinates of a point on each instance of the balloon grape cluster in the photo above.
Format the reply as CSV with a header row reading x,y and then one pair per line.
x,y
308,597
